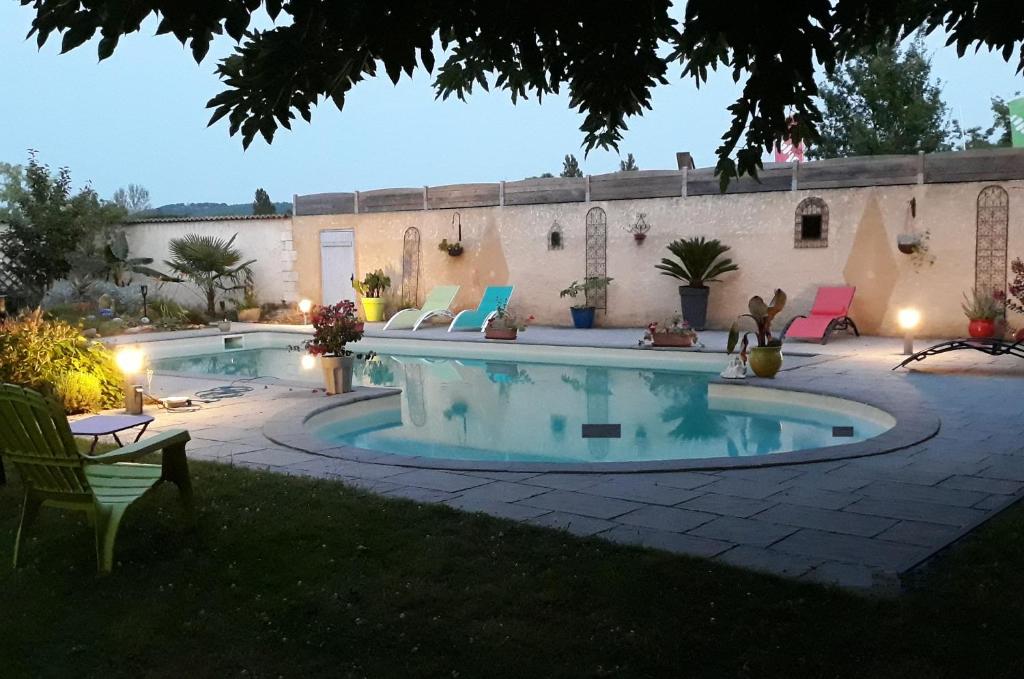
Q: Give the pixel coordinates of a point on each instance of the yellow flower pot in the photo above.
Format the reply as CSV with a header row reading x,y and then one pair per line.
x,y
765,361
373,309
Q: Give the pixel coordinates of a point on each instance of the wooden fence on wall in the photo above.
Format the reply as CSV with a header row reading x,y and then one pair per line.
x,y
838,173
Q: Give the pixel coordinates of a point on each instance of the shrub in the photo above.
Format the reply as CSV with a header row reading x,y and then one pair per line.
x,y
79,391
36,354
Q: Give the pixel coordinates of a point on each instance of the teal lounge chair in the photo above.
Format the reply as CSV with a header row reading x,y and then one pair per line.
x,y
436,304
476,319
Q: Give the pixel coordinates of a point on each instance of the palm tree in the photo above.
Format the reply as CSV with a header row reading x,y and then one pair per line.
x,y
211,264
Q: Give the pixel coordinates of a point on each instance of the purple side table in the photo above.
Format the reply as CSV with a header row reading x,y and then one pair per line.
x,y
109,425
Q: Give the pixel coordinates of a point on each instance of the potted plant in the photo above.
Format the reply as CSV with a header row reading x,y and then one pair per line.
x,y
334,326
766,358
674,333
249,307
371,288
505,325
699,262
453,249
583,314
983,310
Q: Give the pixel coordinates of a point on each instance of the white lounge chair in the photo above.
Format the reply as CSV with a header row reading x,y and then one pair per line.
x,y
437,304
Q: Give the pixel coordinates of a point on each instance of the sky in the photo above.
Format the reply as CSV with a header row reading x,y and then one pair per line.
x,y
140,117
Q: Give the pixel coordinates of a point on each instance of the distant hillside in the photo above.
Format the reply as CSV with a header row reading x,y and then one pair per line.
x,y
207,210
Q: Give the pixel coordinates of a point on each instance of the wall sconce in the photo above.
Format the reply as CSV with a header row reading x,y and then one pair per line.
x,y
130,361
305,306
908,320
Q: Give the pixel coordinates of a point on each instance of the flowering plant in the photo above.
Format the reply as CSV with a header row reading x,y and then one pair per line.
x,y
676,325
982,306
503,319
334,326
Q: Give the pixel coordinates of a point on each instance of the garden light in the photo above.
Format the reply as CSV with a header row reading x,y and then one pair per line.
x,y
908,320
308,362
305,306
130,360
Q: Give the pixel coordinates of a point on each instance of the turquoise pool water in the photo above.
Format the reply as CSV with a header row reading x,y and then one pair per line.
x,y
531,412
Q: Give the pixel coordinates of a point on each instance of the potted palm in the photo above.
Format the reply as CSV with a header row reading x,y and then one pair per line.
x,y
334,326
698,262
371,288
766,358
505,325
983,310
210,263
583,313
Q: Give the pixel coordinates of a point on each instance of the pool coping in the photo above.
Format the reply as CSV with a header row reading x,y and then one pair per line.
x,y
288,428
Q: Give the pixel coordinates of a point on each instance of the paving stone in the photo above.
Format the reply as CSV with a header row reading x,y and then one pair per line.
x,y
572,523
743,531
768,561
565,481
370,485
752,490
641,489
921,477
578,503
502,476
437,480
215,450
504,510
367,470
666,518
916,511
684,480
826,520
417,494
1005,469
909,491
814,497
849,549
669,542
850,576
274,457
920,533
998,502
321,467
764,474
981,484
727,505
839,483
502,491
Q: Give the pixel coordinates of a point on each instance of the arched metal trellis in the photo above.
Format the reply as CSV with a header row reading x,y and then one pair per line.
x,y
990,248
411,266
597,255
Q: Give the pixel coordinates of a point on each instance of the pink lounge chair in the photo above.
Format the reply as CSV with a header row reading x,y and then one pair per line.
x,y
828,314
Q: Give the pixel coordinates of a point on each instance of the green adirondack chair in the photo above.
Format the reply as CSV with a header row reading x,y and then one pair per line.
x,y
36,439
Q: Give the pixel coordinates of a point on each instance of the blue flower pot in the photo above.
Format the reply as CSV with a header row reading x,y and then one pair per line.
x,y
582,318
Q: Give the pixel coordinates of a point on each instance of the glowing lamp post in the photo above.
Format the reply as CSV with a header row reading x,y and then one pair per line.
x,y
130,360
305,306
308,362
908,320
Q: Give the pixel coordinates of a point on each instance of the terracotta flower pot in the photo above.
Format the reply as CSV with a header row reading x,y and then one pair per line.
x,y
501,333
982,328
765,361
639,237
671,339
249,315
337,374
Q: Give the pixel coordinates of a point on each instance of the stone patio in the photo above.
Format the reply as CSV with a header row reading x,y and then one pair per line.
x,y
859,523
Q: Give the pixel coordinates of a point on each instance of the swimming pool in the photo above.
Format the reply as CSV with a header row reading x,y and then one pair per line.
x,y
491,409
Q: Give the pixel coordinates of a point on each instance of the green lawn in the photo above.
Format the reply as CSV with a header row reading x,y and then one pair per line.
x,y
299,578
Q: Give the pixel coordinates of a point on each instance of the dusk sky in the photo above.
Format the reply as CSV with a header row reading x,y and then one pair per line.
x,y
140,117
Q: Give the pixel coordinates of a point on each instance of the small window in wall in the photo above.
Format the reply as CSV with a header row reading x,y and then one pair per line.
x,y
811,224
555,238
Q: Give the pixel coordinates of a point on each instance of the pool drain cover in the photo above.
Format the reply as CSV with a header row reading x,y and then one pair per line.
x,y
842,432
602,431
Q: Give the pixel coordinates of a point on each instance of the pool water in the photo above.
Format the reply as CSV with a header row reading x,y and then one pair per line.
x,y
531,412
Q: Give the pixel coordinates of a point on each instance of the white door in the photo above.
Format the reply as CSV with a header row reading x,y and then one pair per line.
x,y
337,266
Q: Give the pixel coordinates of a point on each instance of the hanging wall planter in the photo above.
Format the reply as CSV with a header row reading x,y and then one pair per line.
x,y
640,228
908,243
453,249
